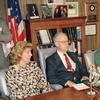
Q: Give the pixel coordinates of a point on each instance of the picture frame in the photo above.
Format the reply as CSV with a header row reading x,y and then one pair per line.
x,y
51,2
91,11
32,11
73,9
91,29
60,11
46,11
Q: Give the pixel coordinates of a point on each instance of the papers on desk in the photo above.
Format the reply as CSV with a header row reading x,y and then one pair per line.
x,y
80,86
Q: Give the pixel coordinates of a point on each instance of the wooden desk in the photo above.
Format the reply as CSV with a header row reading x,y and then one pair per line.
x,y
65,94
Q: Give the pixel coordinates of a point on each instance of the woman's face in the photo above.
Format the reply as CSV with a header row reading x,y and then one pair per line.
x,y
26,55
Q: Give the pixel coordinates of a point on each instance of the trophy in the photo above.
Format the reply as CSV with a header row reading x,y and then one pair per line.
x,y
93,79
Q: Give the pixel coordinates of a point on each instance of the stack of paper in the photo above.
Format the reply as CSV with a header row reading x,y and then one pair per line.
x,y
80,86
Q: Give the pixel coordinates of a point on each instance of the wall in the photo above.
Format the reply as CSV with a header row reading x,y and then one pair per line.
x,y
93,42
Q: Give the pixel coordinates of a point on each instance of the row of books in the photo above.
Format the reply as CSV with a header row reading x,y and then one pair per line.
x,y
73,33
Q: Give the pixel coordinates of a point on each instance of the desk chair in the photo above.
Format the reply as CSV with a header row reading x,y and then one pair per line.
x,y
97,58
3,86
89,58
43,54
92,57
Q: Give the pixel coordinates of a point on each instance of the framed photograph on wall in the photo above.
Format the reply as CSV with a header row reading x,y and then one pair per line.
x,y
32,11
60,11
72,9
50,2
46,11
91,11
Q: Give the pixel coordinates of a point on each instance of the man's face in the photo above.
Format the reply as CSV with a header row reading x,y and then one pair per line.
x,y
62,43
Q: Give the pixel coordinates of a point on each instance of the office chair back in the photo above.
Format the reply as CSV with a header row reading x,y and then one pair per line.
x,y
89,58
43,54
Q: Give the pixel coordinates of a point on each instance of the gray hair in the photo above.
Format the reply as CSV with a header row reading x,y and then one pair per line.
x,y
58,35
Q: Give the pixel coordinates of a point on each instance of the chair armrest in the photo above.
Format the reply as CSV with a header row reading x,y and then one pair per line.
x,y
5,97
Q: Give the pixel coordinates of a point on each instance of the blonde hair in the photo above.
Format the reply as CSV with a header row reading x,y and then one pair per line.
x,y
17,50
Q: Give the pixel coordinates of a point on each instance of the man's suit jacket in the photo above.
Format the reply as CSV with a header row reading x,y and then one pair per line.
x,y
58,74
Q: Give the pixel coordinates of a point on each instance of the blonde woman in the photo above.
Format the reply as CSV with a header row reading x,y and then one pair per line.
x,y
24,77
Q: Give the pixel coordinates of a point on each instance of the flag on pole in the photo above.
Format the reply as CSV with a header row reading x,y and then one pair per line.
x,y
16,25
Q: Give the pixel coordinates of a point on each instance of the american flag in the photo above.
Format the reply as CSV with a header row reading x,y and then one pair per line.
x,y
15,21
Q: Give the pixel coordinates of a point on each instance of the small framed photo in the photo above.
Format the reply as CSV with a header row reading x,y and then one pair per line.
x,y
50,2
46,11
32,11
60,11
91,11
73,10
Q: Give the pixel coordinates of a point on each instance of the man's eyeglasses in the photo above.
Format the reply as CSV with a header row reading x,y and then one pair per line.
x,y
63,41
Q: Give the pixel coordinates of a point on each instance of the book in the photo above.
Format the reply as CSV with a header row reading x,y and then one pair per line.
x,y
71,47
39,38
52,33
44,37
80,86
32,11
78,31
71,33
79,48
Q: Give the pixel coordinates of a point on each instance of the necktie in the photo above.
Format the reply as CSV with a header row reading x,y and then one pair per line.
x,y
69,67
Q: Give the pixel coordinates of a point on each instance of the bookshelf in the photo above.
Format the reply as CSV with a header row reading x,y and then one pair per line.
x,y
32,26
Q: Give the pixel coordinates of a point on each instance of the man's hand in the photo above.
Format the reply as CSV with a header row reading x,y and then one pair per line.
x,y
84,78
69,83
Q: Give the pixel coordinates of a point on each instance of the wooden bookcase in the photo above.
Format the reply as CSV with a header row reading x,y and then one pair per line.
x,y
38,24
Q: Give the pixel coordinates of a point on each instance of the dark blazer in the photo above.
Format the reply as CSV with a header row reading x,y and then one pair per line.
x,y
58,74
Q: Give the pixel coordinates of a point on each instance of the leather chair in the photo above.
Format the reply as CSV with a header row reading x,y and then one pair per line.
x,y
43,54
92,58
97,58
3,87
89,58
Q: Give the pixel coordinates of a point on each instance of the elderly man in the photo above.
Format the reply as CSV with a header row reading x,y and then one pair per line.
x,y
64,67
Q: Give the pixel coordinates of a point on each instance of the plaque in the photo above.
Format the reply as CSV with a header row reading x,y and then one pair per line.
x,y
92,11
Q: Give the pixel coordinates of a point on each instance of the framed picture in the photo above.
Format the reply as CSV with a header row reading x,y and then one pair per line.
x,y
60,11
72,9
90,29
91,11
50,2
46,11
32,11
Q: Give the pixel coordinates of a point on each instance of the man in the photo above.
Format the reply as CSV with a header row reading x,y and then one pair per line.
x,y
5,37
58,70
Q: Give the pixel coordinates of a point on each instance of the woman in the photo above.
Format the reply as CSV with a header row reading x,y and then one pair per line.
x,y
24,77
